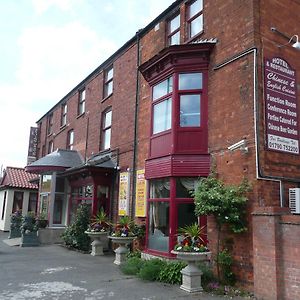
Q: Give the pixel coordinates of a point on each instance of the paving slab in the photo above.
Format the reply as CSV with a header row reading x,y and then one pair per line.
x,y
54,272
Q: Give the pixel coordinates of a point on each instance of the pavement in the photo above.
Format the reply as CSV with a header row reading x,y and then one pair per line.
x,y
54,272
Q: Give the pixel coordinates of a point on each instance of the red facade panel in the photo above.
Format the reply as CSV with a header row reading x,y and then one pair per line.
x,y
178,165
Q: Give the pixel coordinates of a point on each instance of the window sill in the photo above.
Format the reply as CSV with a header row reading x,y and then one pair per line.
x,y
192,39
106,98
79,116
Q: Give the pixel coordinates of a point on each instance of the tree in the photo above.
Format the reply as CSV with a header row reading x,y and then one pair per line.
x,y
226,203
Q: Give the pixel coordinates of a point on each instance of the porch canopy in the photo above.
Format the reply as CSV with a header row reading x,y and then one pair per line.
x,y
59,160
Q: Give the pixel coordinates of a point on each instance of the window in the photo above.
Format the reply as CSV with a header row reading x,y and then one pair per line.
x,y
18,201
50,123
81,103
64,110
195,18
174,31
50,147
108,82
32,204
162,106
70,140
106,129
189,100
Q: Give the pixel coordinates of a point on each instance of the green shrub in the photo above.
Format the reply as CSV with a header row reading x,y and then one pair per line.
x,y
207,274
170,272
136,253
74,236
151,269
132,266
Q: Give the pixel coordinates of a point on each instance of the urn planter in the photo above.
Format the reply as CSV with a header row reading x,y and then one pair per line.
x,y
14,233
29,239
122,250
191,274
97,244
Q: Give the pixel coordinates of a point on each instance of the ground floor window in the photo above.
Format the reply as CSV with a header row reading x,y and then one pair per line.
x,y
18,201
170,206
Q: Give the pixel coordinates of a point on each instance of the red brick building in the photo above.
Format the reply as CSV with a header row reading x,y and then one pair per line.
x,y
207,84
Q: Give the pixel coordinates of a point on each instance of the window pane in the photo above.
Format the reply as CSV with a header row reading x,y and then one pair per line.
x,y
160,188
107,134
81,107
175,23
184,187
189,110
196,25
107,122
195,8
82,95
186,214
109,88
158,226
162,88
175,39
191,81
110,74
162,116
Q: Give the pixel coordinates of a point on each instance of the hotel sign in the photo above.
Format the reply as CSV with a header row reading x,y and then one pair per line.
x,y
32,147
282,127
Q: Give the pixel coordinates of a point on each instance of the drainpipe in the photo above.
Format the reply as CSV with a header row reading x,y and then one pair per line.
x,y
259,172
136,113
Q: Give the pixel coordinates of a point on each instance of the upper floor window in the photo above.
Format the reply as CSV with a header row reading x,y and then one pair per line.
x,y
108,81
174,31
50,123
70,140
189,86
162,106
64,110
81,103
50,147
195,18
106,129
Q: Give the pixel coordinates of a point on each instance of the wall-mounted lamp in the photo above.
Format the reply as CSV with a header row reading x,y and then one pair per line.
x,y
294,40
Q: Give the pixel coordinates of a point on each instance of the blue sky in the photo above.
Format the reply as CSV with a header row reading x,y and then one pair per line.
x,y
47,47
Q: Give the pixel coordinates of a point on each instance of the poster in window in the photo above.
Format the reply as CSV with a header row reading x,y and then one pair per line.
x,y
124,194
140,194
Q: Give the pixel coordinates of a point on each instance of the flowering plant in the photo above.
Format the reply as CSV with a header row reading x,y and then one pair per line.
x,y
99,223
124,228
191,240
16,219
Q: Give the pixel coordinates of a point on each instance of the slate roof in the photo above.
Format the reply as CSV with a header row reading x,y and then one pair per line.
x,y
18,178
60,159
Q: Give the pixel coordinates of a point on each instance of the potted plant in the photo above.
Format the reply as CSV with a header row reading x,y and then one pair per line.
x,y
122,234
191,249
29,228
15,224
97,230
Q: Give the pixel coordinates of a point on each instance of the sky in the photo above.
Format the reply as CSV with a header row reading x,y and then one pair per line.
x,y
47,48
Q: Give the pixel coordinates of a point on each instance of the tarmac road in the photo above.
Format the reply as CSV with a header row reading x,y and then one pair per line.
x,y
53,272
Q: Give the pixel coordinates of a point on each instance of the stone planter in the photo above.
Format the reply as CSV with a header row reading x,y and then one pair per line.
x,y
122,250
29,239
191,275
97,244
14,233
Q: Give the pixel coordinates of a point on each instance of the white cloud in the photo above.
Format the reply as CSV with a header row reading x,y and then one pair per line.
x,y
41,6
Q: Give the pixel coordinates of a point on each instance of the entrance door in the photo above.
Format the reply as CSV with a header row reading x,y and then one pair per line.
x,y
103,198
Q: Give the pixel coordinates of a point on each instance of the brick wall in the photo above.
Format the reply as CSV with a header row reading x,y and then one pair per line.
x,y
276,247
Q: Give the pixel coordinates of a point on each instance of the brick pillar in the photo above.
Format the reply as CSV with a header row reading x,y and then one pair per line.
x,y
267,252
